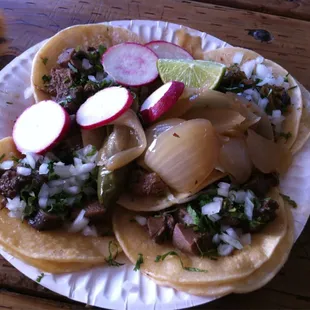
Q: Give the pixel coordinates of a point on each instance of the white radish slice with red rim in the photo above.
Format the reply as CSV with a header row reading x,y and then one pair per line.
x,y
104,107
40,127
130,64
168,50
161,100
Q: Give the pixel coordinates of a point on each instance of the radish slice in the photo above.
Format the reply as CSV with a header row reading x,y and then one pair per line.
x,y
161,100
104,107
40,127
130,64
168,50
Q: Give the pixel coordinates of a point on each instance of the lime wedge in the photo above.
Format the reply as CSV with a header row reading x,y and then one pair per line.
x,y
193,73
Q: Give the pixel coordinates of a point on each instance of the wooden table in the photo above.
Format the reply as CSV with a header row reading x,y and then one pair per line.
x,y
31,21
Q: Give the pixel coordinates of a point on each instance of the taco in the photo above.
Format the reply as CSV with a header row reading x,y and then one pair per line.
x,y
213,244
267,84
57,200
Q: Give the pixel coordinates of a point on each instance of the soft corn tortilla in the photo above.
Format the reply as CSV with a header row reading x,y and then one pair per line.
x,y
54,246
292,120
54,250
254,281
46,265
134,239
304,126
82,36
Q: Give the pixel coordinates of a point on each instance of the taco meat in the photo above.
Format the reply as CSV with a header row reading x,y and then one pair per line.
x,y
77,75
147,183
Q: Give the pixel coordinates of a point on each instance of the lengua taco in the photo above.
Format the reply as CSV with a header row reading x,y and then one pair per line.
x,y
266,84
211,246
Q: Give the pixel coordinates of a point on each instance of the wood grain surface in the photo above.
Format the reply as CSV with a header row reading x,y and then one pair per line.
x,y
29,22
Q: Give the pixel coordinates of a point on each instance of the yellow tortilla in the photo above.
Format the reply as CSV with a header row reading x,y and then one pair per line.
x,y
304,126
54,246
292,120
134,239
254,281
76,36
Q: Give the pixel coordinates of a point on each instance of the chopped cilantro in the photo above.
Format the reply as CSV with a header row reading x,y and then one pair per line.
x,y
40,277
8,102
193,215
110,260
65,101
160,258
289,200
286,78
46,78
101,49
44,60
139,262
66,80
92,152
72,68
293,87
2,156
78,48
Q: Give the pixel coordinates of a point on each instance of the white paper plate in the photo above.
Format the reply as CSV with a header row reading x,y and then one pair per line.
x,y
104,287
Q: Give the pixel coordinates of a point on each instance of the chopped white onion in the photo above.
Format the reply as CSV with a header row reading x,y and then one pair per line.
x,y
232,195
240,196
23,171
7,164
231,232
255,95
16,206
90,231
54,183
141,220
249,194
223,192
224,185
59,163
79,223
237,59
249,91
262,103
263,71
276,113
286,85
28,93
248,208
259,59
211,208
230,240
279,80
50,202
225,249
77,161
92,78
216,239
63,171
248,97
31,161
43,193
248,67
73,190
43,202
54,191
188,219
86,64
246,239
85,168
214,217
43,169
